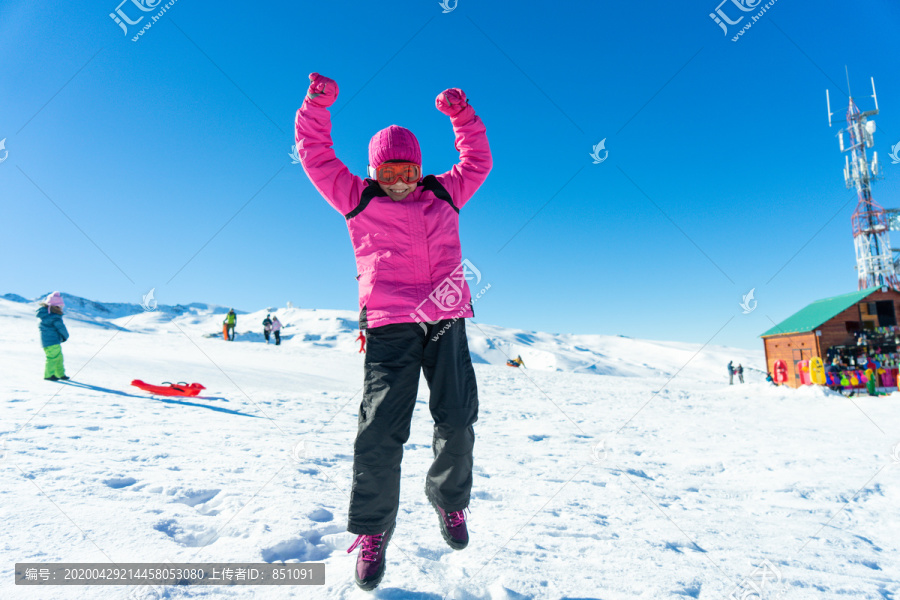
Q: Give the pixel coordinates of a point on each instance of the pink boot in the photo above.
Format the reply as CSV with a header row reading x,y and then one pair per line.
x,y
370,560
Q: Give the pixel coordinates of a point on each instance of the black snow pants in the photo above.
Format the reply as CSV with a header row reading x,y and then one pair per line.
x,y
395,354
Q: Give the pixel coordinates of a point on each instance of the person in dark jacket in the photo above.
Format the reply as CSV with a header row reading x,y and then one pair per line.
x,y
53,333
730,372
267,327
835,368
739,371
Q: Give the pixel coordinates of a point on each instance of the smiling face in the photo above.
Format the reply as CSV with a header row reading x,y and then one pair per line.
x,y
398,191
394,144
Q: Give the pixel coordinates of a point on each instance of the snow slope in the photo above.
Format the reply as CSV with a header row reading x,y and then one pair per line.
x,y
609,468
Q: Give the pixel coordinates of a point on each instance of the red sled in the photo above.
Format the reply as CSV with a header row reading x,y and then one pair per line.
x,y
780,368
172,389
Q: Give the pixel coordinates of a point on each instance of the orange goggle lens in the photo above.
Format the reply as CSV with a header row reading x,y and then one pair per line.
x,y
390,173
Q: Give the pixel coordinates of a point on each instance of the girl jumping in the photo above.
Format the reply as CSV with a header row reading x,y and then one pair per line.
x,y
413,300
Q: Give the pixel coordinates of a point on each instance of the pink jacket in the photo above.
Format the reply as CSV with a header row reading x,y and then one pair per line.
x,y
408,255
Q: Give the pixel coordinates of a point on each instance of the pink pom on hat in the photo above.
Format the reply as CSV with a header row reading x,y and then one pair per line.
x,y
55,299
394,143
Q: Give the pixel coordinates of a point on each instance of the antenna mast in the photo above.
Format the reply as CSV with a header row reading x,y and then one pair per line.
x,y
874,257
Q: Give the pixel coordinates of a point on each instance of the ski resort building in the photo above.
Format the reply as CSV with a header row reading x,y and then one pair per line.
x,y
854,328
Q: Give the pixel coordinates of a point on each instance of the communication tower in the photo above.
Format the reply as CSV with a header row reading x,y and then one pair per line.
x,y
874,257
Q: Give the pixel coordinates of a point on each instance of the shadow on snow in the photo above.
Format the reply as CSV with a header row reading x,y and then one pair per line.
x,y
167,400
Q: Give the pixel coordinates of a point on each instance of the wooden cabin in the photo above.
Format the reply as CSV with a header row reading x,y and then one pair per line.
x,y
847,327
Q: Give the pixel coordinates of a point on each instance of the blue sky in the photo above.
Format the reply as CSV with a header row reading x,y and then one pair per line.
x,y
164,163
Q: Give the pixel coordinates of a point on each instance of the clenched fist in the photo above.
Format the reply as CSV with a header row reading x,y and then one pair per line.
x,y
322,90
451,101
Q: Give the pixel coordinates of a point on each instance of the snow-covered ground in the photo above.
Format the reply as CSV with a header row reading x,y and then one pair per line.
x,y
608,468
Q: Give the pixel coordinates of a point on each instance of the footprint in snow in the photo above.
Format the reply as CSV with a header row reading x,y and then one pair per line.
x,y
192,536
638,473
691,592
195,497
320,515
118,483
202,500
310,546
677,546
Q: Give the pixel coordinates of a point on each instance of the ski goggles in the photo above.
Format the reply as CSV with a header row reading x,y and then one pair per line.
x,y
391,173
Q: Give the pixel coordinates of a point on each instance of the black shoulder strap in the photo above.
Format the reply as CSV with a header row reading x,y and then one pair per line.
x,y
431,184
372,190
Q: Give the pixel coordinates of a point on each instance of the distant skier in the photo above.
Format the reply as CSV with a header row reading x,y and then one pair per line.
x,y
362,342
414,300
267,327
739,371
230,322
730,372
53,333
276,330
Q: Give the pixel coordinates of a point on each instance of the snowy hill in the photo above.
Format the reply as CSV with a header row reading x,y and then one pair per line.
x,y
109,314
609,468
593,354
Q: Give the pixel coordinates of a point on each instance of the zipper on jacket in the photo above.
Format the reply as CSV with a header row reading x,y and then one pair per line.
x,y
419,243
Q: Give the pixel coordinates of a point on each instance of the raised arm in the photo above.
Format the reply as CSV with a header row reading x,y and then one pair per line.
x,y
475,160
329,175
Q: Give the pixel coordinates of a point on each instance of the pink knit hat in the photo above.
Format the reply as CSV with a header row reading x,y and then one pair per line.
x,y
55,299
394,143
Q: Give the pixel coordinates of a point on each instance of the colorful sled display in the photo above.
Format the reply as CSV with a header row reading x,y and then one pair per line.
x,y
803,371
817,370
780,376
169,389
